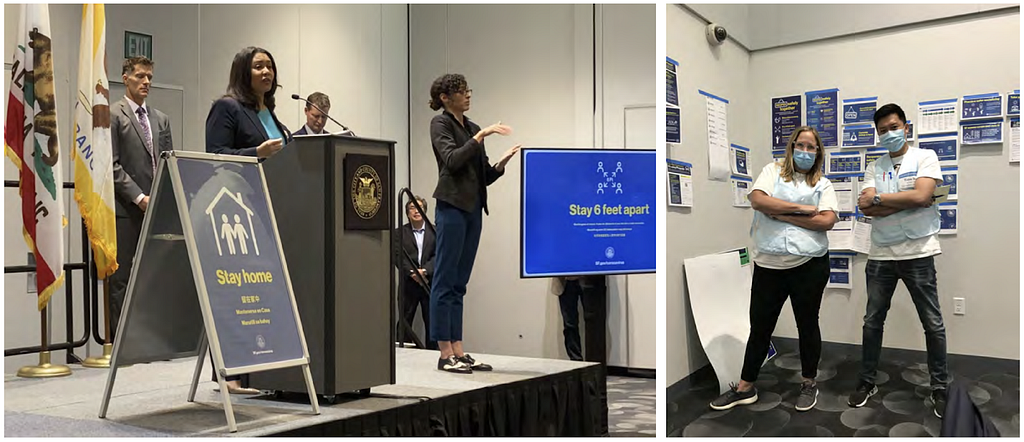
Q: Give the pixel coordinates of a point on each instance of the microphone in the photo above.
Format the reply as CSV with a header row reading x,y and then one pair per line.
x,y
297,97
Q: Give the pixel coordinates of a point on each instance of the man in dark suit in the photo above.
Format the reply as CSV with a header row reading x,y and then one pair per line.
x,y
416,240
315,120
138,134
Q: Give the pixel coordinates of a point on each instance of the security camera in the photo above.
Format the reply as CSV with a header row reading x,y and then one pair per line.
x,y
716,34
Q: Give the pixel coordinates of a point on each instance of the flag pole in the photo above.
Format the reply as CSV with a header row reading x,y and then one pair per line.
x,y
45,369
108,346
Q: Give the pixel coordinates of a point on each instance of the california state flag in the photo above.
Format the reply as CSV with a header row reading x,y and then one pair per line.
x,y
31,141
92,152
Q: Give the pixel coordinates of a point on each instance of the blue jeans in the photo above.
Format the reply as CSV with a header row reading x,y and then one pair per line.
x,y
919,277
458,236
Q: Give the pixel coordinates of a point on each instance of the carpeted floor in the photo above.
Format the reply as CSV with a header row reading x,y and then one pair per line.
x,y
631,407
900,409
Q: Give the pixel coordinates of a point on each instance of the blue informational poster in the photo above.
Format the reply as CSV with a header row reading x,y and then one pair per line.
x,y
844,162
823,115
1013,103
944,146
910,130
859,135
740,156
672,130
981,131
671,89
239,254
871,155
949,178
588,211
859,110
982,106
785,119
948,217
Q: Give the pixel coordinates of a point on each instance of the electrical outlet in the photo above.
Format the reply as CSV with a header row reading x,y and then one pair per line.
x,y
959,306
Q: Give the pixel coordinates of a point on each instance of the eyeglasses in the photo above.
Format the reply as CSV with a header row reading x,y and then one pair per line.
x,y
805,146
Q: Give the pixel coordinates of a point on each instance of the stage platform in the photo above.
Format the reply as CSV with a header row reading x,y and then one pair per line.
x,y
522,396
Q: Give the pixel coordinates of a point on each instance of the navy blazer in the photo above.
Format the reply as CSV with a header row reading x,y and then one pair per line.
x,y
234,129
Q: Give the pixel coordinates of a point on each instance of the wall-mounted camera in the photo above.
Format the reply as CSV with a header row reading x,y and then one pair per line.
x,y
716,34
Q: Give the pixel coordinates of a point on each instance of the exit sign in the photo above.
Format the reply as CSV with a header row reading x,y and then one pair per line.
x,y
136,44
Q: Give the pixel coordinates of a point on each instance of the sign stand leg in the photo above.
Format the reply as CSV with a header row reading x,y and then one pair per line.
x,y
226,397
108,389
309,387
203,344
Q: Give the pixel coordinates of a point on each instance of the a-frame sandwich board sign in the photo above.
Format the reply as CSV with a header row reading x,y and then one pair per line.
x,y
210,272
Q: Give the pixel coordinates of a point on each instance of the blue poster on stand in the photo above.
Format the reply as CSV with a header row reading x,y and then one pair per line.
x,y
823,115
588,211
982,106
785,119
672,134
981,131
944,146
239,254
671,89
859,135
1013,103
859,110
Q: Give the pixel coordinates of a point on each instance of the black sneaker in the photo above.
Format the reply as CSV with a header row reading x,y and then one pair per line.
x,y
939,401
808,396
734,397
864,392
474,364
453,365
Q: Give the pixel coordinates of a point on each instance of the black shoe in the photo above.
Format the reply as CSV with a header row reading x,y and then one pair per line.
x,y
734,397
864,392
453,365
474,364
939,401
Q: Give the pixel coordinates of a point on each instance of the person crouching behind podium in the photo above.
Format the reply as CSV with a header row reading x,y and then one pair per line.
x,y
464,172
418,241
315,120
795,207
242,122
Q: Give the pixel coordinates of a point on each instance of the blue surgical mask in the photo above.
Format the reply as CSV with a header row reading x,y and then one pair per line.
x,y
893,140
804,160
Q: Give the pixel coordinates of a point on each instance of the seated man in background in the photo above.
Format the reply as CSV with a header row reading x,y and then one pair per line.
x,y
592,292
315,119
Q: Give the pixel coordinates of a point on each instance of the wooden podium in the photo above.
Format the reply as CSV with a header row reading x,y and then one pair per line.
x,y
343,279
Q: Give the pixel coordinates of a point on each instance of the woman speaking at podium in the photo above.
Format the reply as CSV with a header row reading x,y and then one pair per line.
x,y
464,172
795,207
242,122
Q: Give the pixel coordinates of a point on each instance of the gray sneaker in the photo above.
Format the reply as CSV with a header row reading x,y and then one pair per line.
x,y
808,396
734,397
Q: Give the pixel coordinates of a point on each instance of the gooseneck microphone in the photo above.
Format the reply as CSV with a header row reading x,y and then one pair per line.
x,y
346,129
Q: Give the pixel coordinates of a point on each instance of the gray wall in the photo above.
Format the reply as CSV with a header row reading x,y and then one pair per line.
x,y
533,67
364,71
712,225
987,246
762,26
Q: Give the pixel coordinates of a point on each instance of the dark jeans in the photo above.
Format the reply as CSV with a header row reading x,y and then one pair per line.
x,y
804,286
412,297
594,315
919,277
458,236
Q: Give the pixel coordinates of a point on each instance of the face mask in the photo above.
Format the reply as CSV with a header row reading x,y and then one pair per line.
x,y
893,140
803,160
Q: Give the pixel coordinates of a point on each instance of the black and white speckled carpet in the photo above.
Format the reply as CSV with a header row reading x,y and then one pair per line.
x,y
900,409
